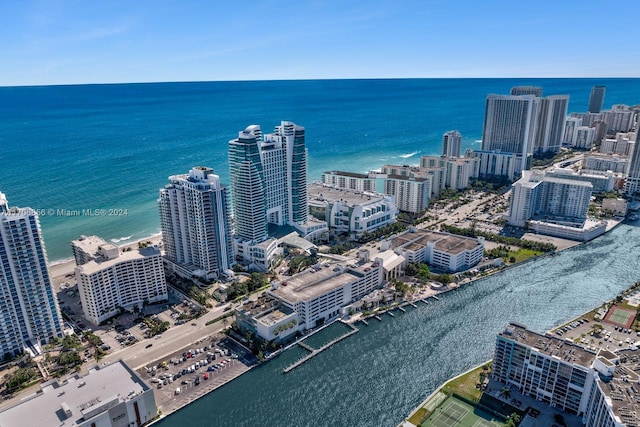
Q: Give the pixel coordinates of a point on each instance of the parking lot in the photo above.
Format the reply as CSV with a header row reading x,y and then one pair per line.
x,y
192,372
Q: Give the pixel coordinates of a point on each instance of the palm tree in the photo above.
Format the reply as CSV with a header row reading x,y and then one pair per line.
x,y
512,420
505,392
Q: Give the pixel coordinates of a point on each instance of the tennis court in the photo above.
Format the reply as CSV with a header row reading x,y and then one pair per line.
x,y
620,316
456,413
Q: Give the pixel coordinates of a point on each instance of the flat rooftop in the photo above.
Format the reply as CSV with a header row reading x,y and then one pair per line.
x,y
550,345
98,387
623,389
416,240
348,174
91,244
320,279
318,192
101,263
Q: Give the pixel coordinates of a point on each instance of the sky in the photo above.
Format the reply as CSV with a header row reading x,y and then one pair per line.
x,y
46,42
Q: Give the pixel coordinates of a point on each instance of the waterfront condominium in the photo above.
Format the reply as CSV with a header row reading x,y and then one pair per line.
x,y
511,126
599,386
196,226
632,185
110,280
269,186
451,144
596,99
29,311
553,113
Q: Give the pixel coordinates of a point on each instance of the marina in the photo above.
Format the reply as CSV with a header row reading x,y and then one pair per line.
x,y
314,352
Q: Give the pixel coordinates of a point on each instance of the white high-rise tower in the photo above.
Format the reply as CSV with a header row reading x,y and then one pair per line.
x,y
451,144
29,311
195,220
511,126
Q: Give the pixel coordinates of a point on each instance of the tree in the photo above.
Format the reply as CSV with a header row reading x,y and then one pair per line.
x,y
512,420
505,392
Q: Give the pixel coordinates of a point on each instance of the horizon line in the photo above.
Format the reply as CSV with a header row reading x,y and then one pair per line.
x,y
317,79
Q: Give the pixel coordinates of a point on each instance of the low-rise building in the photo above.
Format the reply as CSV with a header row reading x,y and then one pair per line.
x,y
319,293
350,181
606,162
351,213
108,396
442,251
113,280
268,318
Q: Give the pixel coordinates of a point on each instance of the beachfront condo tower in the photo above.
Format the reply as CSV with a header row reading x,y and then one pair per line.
x,y
451,144
269,186
632,185
29,311
511,126
196,226
596,99
553,113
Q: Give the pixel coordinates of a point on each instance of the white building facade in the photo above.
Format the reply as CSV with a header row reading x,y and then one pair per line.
x,y
124,280
29,311
196,224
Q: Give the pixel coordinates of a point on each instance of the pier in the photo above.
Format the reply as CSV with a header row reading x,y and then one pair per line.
x,y
391,314
424,301
413,305
402,309
378,317
435,297
314,351
364,321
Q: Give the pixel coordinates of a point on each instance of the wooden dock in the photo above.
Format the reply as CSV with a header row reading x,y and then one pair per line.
x,y
319,350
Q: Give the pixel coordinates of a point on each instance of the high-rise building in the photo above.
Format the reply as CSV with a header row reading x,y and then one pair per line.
x,y
537,195
553,113
110,280
632,185
526,90
451,144
29,311
196,226
596,99
269,186
511,126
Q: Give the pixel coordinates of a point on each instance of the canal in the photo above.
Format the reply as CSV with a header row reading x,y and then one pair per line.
x,y
377,376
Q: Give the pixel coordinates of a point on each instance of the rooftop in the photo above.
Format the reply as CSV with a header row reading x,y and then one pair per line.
x,y
320,279
418,239
125,256
623,388
321,193
83,396
550,345
349,174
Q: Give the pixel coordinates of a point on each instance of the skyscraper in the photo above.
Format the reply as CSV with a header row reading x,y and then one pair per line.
x,y
511,126
553,113
29,311
451,144
526,90
196,226
596,99
632,185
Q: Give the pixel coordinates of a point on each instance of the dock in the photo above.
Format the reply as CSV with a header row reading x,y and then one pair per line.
x,y
402,309
413,305
391,314
435,297
378,317
424,301
319,350
364,321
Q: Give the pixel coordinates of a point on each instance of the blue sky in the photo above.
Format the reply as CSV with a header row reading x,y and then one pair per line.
x,y
93,41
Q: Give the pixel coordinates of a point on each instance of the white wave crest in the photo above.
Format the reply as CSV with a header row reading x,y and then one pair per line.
x,y
121,239
406,156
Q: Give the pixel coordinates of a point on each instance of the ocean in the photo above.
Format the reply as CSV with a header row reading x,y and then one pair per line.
x,y
80,153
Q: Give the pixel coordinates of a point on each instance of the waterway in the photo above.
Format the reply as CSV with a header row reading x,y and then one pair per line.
x,y
377,376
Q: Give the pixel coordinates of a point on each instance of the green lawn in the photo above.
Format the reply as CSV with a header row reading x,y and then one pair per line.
x,y
523,254
465,385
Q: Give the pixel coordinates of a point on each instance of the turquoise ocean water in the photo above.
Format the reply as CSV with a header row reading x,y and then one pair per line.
x,y
113,146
